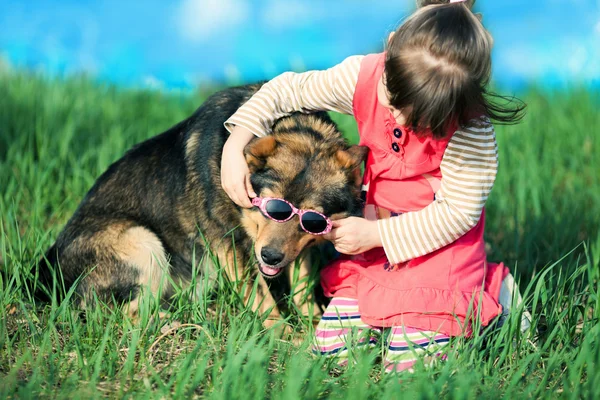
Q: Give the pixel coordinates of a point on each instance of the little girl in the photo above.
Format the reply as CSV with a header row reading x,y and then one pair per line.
x,y
416,262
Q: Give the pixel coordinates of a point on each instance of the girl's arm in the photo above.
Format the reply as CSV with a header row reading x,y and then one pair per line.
x,y
469,169
332,89
328,90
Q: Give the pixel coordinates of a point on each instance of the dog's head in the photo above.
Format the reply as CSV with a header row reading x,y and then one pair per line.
x,y
306,162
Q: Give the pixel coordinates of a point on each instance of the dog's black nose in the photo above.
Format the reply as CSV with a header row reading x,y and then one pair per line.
x,y
271,256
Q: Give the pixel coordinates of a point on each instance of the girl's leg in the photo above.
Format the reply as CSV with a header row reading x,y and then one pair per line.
x,y
406,345
341,329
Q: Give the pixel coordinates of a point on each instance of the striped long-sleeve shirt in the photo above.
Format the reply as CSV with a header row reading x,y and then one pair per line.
x,y
468,167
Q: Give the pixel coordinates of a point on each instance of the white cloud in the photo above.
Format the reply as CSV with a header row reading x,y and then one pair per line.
x,y
4,63
200,20
153,82
232,74
566,60
578,59
290,13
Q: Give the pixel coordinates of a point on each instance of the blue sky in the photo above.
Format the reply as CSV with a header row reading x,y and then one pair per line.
x,y
183,43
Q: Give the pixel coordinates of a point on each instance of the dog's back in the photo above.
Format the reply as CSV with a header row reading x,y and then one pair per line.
x,y
142,215
151,214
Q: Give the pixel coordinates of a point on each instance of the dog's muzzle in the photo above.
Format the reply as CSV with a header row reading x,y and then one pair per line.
x,y
269,260
269,271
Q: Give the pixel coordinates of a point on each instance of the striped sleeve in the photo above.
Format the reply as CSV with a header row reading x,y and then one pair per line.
x,y
468,169
328,90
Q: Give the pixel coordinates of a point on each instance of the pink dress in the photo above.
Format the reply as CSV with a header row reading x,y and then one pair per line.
x,y
442,291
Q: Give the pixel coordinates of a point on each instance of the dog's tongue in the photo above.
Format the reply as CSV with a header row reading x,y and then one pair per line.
x,y
269,270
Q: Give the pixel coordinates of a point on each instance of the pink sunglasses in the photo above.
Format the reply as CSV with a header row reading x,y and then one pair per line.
x,y
280,210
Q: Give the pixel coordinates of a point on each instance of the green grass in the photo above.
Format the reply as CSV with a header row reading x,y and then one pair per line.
x,y
57,136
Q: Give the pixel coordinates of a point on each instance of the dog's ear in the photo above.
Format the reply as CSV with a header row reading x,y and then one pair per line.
x,y
258,150
353,157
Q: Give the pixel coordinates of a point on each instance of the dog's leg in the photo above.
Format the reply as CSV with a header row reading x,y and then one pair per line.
x,y
121,263
141,250
265,303
302,292
261,300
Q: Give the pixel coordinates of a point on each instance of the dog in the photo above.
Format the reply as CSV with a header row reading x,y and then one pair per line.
x,y
161,206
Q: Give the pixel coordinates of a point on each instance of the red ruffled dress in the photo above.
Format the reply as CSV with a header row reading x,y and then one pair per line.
x,y
442,291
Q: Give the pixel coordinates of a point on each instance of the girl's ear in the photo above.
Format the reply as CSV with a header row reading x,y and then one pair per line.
x,y
390,36
258,150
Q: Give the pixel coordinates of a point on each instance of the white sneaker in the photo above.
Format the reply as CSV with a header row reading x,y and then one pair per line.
x,y
510,297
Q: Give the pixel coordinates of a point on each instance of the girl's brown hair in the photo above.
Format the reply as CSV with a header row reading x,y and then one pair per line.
x,y
438,65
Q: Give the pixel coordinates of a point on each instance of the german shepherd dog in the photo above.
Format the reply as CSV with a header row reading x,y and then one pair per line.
x,y
161,206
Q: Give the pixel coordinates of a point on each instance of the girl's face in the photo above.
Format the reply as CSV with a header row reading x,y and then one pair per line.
x,y
383,97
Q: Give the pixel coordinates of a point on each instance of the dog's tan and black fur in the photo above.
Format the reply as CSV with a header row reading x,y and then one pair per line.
x,y
154,210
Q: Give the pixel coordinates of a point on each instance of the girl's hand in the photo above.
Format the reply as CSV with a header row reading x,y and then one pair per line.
x,y
235,175
354,235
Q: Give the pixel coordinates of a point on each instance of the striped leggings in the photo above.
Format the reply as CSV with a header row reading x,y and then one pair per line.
x,y
341,330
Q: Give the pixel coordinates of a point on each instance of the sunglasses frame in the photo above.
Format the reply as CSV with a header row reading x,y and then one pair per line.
x,y
261,203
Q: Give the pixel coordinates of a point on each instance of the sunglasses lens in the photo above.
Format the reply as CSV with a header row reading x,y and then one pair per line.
x,y
313,222
278,210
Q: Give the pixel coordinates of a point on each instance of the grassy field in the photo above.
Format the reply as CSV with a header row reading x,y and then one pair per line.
x,y
57,136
